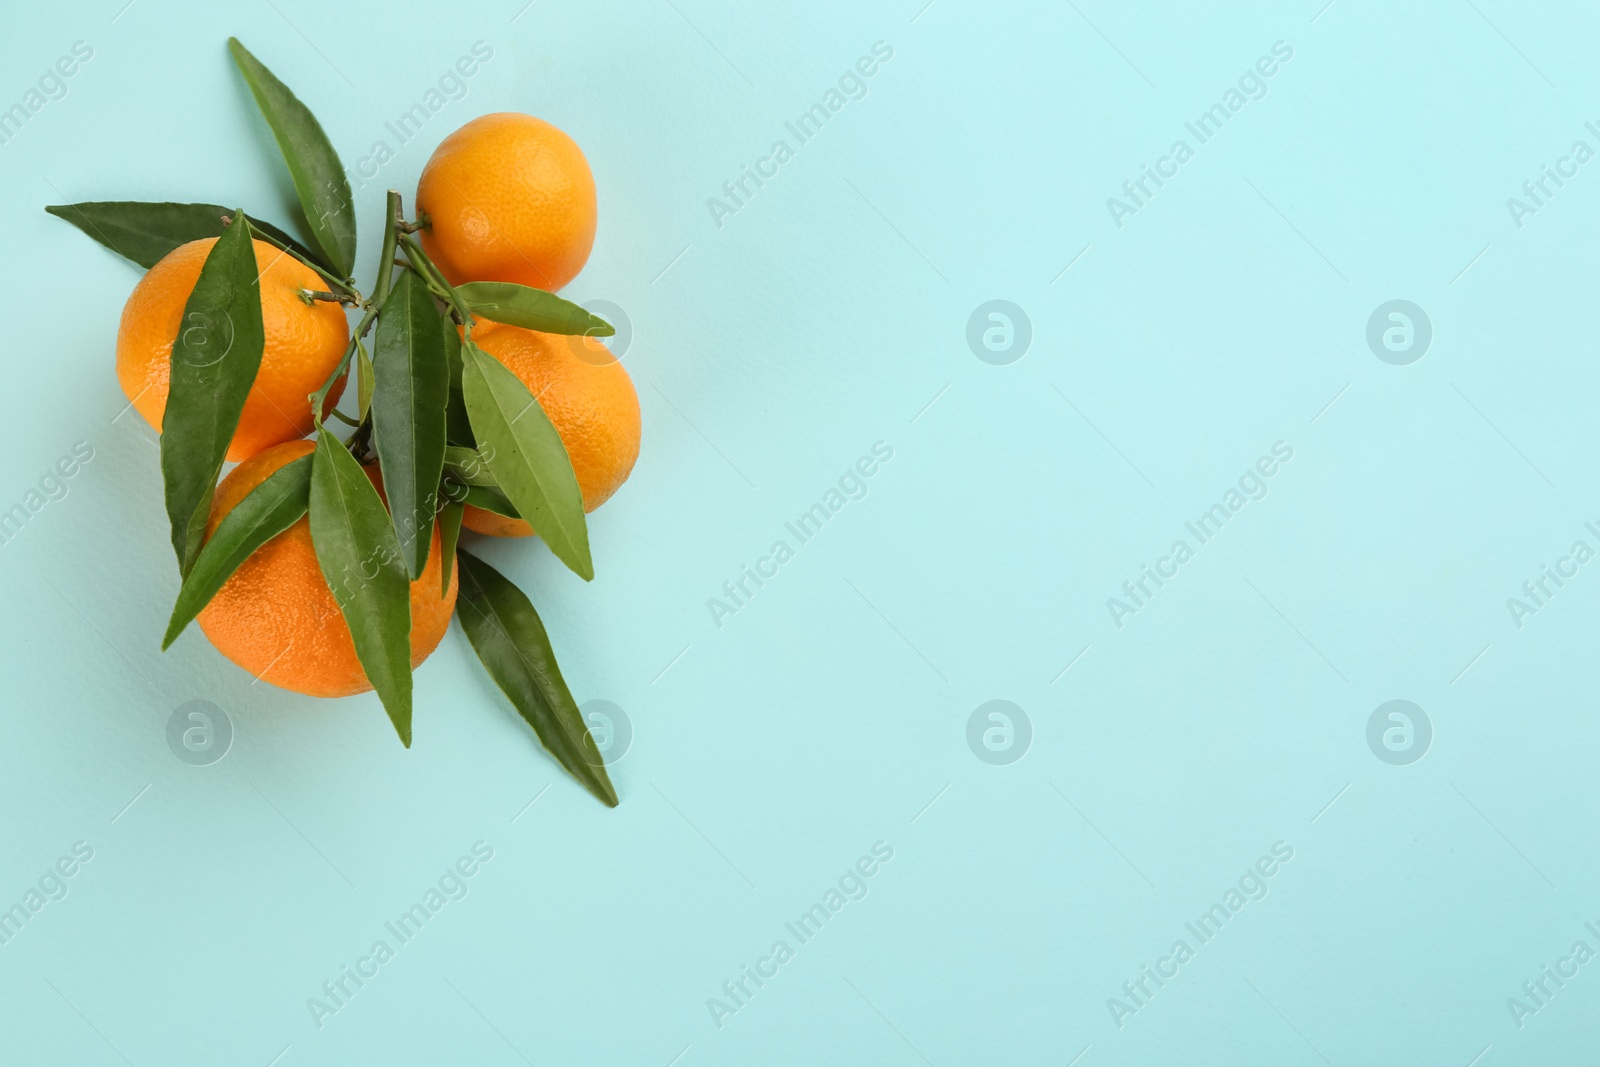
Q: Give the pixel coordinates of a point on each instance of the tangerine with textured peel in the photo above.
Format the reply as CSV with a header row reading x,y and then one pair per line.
x,y
304,343
277,618
508,198
588,398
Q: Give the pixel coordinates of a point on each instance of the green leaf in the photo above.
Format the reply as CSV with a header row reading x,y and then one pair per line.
x,y
409,393
364,386
484,497
452,351
319,399
145,231
215,357
449,535
508,637
319,178
360,558
466,466
526,456
265,512
532,309
459,426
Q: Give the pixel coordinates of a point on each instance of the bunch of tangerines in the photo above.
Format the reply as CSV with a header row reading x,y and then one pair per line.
x,y
331,566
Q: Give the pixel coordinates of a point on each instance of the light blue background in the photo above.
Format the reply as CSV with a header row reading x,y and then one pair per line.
x,y
830,713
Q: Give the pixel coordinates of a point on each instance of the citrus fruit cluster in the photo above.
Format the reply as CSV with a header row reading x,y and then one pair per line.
x,y
332,566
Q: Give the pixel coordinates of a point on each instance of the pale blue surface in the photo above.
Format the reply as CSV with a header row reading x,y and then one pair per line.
x,y
825,716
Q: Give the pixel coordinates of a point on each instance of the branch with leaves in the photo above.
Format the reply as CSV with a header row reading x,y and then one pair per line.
x,y
445,423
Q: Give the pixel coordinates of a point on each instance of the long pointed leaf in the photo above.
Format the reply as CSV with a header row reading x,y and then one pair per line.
x,y
319,178
319,399
526,456
449,534
532,309
364,385
485,498
459,426
411,386
214,362
265,512
360,558
145,231
466,466
508,637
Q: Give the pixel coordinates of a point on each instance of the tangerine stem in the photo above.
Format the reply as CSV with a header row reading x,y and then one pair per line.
x,y
342,286
357,444
380,293
386,257
426,267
